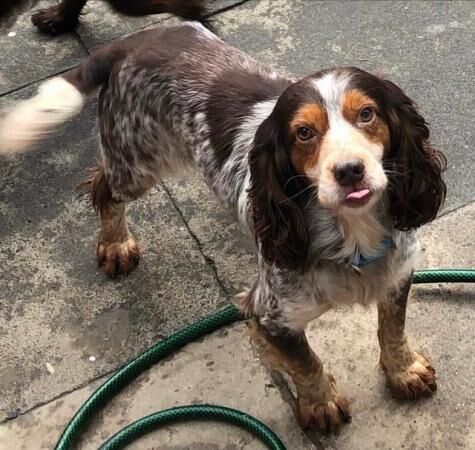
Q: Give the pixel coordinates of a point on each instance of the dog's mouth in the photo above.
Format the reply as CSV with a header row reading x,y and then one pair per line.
x,y
357,196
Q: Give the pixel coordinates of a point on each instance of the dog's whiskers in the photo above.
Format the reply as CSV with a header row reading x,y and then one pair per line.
x,y
299,193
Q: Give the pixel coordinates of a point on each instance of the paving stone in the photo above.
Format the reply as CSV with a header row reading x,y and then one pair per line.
x,y
27,56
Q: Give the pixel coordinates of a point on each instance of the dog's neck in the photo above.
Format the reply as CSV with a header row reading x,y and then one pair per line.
x,y
361,233
339,237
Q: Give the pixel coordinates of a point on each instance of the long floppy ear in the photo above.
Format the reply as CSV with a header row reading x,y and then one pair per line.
x,y
416,188
277,198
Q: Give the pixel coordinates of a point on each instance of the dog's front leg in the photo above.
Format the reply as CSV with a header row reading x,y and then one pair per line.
x,y
319,404
409,374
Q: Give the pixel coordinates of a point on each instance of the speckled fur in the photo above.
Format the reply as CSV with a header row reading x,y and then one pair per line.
x,y
155,121
180,97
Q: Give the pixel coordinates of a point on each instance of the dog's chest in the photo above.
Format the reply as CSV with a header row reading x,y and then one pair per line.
x,y
346,286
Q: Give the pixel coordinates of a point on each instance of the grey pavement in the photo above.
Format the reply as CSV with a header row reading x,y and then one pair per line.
x,y
57,311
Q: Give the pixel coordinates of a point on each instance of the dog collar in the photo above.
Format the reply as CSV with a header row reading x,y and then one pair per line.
x,y
360,260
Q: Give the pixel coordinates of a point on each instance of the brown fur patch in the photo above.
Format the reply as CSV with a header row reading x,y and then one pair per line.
x,y
377,130
117,251
305,154
310,115
95,185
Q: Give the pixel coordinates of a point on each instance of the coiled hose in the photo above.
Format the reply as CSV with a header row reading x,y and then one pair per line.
x,y
176,341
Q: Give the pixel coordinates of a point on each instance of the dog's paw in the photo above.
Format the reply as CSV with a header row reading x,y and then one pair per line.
x,y
417,380
118,258
326,417
53,21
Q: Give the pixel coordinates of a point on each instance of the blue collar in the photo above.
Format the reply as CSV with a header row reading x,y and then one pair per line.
x,y
360,260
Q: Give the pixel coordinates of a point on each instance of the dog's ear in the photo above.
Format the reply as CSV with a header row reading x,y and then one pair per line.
x,y
277,198
416,188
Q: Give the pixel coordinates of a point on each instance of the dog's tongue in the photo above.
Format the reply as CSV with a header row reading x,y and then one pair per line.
x,y
357,194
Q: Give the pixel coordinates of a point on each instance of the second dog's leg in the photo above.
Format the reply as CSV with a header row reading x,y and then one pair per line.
x,y
186,9
65,16
320,405
117,251
59,18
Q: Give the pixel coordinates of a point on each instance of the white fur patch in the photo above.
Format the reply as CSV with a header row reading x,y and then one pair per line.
x,y
331,87
245,137
36,118
259,112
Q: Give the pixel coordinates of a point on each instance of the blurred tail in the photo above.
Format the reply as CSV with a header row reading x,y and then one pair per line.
x,y
34,119
58,100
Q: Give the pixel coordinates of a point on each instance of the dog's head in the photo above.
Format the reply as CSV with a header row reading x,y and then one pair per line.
x,y
343,139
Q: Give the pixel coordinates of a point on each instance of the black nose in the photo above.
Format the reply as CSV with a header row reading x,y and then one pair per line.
x,y
349,173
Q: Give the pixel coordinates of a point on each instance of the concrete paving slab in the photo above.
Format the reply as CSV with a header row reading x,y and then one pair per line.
x,y
57,308
223,369
227,248
27,56
101,24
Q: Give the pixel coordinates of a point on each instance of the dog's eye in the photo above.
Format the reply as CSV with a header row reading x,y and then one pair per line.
x,y
366,115
304,133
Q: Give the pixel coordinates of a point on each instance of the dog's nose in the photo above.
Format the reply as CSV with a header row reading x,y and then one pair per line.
x,y
349,173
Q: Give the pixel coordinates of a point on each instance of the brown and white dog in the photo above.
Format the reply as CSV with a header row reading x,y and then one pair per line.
x,y
331,173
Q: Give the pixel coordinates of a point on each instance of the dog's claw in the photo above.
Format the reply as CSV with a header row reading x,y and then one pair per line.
x,y
416,381
325,417
118,258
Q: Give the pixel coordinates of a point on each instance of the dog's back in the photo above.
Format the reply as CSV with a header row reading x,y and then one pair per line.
x,y
170,97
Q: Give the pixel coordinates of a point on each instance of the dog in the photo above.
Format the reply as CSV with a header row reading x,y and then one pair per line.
x,y
332,174
64,16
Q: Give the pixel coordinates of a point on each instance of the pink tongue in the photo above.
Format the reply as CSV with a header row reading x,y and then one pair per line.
x,y
358,194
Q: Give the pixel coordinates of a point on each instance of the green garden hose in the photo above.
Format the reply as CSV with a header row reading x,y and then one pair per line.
x,y
176,341
193,412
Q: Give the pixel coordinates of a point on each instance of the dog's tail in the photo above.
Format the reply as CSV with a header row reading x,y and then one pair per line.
x,y
58,100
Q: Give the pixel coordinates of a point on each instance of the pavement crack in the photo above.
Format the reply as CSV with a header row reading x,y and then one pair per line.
x,y
85,384
226,8
210,262
38,80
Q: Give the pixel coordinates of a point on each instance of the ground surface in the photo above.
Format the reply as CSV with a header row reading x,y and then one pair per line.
x,y
57,311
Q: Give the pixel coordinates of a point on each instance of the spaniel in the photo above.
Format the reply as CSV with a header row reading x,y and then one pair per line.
x,y
331,174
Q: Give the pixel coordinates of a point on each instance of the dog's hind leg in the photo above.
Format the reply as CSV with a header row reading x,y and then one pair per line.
x,y
117,251
59,18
